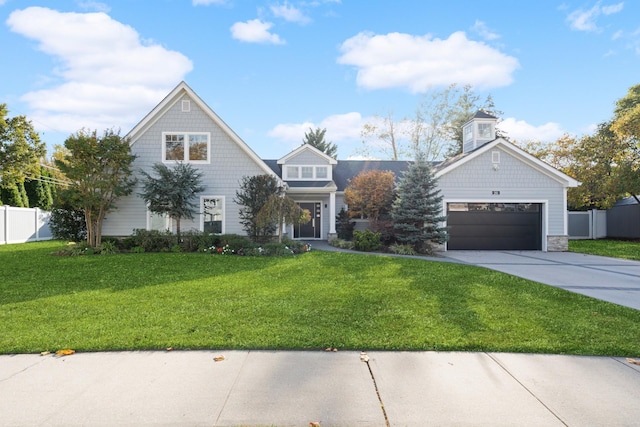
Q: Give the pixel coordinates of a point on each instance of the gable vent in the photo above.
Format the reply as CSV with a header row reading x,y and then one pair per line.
x,y
186,106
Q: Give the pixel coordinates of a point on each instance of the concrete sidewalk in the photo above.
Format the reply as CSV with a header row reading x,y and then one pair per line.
x,y
267,388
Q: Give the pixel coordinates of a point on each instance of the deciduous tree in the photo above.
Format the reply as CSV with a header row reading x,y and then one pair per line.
x,y
370,194
173,191
99,171
282,209
20,149
253,194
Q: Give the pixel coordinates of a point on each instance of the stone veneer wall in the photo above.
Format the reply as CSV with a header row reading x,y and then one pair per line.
x,y
557,243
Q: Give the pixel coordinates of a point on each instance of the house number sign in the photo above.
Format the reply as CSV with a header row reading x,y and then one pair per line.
x,y
495,193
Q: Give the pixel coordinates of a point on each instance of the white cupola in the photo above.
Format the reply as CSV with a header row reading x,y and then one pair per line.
x,y
478,131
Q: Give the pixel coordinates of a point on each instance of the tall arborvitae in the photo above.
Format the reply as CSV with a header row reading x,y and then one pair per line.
x,y
417,209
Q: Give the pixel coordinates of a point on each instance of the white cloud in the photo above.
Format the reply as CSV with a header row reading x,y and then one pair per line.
x,y
481,28
110,79
289,13
339,127
422,62
585,20
2,2
207,2
519,130
255,31
95,6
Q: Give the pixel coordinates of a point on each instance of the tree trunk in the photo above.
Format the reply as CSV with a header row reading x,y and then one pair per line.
x,y
178,230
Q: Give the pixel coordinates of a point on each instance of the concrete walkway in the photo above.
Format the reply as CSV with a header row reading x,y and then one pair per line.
x,y
264,388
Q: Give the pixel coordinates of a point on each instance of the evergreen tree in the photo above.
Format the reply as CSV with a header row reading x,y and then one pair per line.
x,y
11,195
417,209
172,193
315,138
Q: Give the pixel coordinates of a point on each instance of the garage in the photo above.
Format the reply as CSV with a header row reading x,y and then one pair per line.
x,y
494,226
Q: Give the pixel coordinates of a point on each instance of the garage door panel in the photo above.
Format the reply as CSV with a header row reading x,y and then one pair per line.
x,y
495,230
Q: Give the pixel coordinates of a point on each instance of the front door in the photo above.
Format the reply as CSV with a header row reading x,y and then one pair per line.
x,y
311,229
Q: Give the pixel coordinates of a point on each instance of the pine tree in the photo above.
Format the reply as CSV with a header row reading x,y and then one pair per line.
x,y
315,138
417,209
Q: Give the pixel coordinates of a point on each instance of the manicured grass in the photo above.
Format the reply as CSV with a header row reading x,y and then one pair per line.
x,y
611,248
310,301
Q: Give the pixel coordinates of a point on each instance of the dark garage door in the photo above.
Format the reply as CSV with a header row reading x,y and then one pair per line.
x,y
494,226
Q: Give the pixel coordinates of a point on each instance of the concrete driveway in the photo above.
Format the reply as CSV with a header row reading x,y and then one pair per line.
x,y
608,279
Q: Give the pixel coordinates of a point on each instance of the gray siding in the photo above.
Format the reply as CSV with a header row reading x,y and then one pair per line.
x,y
514,179
229,164
307,158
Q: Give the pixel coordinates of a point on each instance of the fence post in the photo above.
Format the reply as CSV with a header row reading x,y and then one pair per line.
x,y
6,224
37,222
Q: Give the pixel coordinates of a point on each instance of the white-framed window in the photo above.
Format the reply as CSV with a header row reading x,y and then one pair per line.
x,y
212,217
188,147
468,132
158,222
306,173
484,130
321,172
293,172
495,157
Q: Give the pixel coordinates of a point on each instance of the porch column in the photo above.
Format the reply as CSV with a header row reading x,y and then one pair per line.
x,y
332,212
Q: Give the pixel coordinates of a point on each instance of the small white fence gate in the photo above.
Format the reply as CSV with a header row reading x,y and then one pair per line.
x,y
19,225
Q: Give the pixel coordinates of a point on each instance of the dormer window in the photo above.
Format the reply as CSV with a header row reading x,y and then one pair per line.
x,y
306,173
468,132
484,130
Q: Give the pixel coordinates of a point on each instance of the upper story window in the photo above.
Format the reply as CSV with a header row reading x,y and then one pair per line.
x,y
192,147
484,130
306,173
468,132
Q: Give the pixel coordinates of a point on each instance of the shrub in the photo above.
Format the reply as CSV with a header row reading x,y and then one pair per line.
x,y
68,224
152,240
108,247
341,243
344,227
366,241
192,241
402,249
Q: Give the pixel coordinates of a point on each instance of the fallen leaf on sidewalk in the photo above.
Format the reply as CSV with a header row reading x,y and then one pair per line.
x,y
331,349
65,352
633,361
314,424
364,357
169,348
45,353
218,358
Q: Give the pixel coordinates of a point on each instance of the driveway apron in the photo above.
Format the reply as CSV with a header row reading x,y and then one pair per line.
x,y
609,279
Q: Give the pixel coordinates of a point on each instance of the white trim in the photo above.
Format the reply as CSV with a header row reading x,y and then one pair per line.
x,y
312,216
176,95
298,167
223,208
517,152
186,136
545,212
307,147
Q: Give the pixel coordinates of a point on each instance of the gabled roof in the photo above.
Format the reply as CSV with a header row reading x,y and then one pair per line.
x,y
175,96
459,160
307,147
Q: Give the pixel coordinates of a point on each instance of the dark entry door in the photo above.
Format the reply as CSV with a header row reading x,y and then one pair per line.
x,y
311,229
494,226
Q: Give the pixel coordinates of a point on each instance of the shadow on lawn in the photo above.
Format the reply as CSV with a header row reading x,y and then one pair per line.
x,y
30,272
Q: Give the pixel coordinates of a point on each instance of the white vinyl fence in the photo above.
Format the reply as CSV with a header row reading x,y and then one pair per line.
x,y
19,225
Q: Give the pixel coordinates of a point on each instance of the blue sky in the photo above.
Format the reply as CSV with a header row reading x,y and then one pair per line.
x,y
274,69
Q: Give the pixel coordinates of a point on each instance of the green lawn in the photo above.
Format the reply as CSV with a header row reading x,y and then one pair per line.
x,y
310,301
605,247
